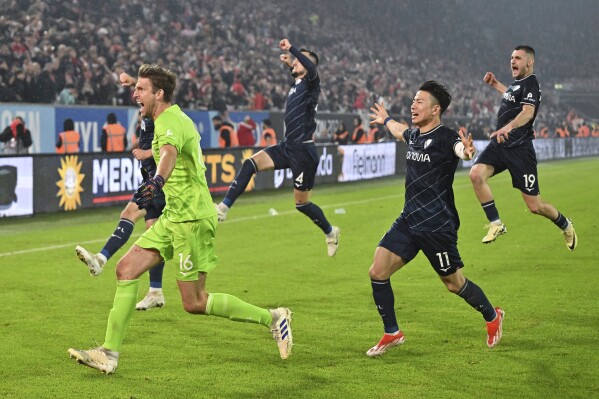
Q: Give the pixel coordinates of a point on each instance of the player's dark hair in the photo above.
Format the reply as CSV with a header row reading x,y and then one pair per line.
x,y
161,79
111,118
312,54
439,92
267,122
527,49
217,118
68,124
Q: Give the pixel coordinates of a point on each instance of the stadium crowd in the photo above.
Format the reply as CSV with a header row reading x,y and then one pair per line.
x,y
226,56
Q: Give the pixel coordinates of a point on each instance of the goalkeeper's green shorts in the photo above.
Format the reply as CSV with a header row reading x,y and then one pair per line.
x,y
190,243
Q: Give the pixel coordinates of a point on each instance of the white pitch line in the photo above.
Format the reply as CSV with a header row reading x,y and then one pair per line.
x,y
236,220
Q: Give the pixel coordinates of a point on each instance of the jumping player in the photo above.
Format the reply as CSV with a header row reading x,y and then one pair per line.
x,y
297,150
429,221
511,148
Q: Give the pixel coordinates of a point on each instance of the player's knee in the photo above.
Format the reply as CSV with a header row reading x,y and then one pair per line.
x,y
123,270
452,287
376,273
476,177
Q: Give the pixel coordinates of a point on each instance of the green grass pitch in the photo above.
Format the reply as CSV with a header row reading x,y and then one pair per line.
x,y
48,303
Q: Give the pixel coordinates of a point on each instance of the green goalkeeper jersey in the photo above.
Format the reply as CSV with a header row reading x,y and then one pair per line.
x,y
186,191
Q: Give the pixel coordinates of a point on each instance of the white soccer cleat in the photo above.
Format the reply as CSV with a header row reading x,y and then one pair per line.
x,y
221,210
94,262
99,358
495,230
387,342
333,241
570,236
151,300
281,331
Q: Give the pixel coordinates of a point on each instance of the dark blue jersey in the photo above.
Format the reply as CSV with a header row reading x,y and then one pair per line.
x,y
430,166
146,135
522,91
300,109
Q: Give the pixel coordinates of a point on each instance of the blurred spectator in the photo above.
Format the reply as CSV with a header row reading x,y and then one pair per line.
x,y
341,135
227,136
223,52
68,95
269,137
246,132
359,136
375,133
68,139
16,137
114,135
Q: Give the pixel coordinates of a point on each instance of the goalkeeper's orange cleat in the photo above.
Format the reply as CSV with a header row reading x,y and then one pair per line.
x,y
387,342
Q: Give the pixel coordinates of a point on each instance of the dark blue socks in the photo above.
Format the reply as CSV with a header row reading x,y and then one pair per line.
x,y
248,169
385,302
119,238
314,212
156,275
476,298
490,210
561,221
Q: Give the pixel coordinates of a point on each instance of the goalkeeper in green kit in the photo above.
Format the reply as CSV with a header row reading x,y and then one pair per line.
x,y
185,231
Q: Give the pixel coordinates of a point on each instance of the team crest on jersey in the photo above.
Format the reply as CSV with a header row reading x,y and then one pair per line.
x,y
427,143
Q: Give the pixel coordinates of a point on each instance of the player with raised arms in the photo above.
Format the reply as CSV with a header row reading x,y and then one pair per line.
x,y
511,148
429,221
297,150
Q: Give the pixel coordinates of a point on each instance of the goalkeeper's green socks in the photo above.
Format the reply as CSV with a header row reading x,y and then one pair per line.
x,y
233,308
120,315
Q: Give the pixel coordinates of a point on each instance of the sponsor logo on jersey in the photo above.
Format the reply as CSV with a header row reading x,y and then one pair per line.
x,y
509,97
417,156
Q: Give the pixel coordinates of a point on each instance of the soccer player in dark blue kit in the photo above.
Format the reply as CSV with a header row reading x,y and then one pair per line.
x,y
511,148
429,221
129,216
297,150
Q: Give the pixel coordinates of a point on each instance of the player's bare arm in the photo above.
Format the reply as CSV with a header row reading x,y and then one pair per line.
x,y
141,155
521,119
492,81
379,115
168,159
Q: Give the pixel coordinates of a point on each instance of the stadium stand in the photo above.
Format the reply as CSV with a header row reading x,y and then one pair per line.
x,y
225,52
